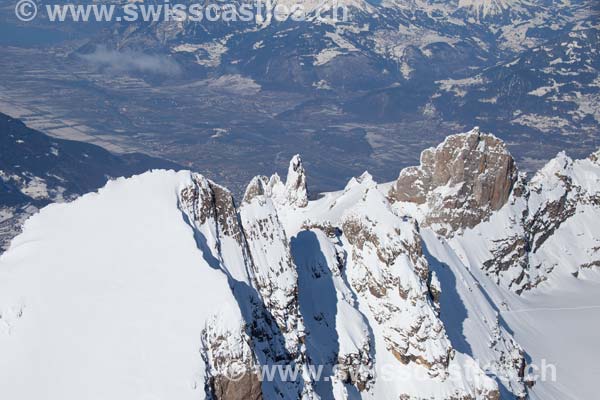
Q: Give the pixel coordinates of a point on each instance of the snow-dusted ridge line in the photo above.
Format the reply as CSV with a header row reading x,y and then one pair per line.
x,y
126,267
159,286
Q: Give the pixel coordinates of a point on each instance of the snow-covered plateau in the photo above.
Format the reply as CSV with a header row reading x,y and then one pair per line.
x,y
463,279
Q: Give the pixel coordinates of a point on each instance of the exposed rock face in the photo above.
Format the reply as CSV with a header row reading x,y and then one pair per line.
x,y
390,273
267,293
274,272
468,188
257,188
595,157
510,362
557,191
296,183
460,182
248,387
231,372
207,201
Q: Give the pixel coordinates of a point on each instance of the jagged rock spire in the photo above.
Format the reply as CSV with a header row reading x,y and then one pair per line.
x,y
292,193
295,185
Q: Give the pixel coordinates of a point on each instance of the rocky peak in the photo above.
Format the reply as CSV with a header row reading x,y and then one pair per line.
x,y
294,192
258,186
205,200
296,183
358,296
459,183
274,271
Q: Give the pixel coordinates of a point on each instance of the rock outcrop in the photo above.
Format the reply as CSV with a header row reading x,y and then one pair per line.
x,y
231,369
251,248
468,190
460,182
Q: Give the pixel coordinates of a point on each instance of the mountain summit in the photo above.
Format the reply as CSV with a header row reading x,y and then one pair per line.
x,y
159,287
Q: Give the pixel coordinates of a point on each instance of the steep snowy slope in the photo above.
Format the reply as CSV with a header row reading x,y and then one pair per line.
x,y
558,326
555,324
107,297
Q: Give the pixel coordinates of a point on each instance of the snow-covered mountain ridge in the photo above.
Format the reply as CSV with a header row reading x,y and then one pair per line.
x,y
36,170
159,287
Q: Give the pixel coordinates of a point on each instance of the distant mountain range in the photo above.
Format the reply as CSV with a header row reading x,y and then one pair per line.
x,y
381,44
238,99
527,70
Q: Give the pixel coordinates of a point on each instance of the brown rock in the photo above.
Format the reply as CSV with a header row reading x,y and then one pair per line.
x,y
462,181
246,387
